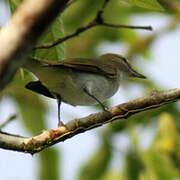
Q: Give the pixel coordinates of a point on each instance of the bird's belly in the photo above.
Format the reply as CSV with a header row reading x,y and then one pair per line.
x,y
72,89
70,86
76,97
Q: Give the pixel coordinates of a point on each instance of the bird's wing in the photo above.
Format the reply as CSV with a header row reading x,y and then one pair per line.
x,y
91,65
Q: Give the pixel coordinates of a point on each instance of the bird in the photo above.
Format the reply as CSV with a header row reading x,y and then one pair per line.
x,y
80,81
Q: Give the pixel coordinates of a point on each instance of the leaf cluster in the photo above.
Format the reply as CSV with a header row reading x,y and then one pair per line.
x,y
161,160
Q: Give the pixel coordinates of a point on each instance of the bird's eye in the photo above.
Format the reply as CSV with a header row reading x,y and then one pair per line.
x,y
125,60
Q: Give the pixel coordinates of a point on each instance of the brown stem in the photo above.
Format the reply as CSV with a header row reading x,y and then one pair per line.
x,y
49,137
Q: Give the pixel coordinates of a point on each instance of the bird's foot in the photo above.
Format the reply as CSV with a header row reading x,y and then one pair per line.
x,y
60,123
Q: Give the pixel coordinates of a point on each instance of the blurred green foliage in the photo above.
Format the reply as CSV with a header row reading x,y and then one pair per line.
x,y
161,161
98,164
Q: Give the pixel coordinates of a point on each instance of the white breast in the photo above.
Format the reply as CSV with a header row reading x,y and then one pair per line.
x,y
71,90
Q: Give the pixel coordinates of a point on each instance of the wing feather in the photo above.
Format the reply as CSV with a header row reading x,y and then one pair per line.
x,y
91,65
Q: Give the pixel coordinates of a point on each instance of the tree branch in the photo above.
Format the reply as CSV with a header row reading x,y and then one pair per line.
x,y
10,119
49,137
21,33
97,21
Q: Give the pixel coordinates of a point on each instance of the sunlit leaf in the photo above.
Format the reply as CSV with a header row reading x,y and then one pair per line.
x,y
54,32
160,166
149,4
168,133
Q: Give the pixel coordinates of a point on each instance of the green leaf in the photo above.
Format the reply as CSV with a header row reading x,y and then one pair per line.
x,y
54,32
134,165
149,4
160,165
13,4
49,164
112,175
98,163
28,102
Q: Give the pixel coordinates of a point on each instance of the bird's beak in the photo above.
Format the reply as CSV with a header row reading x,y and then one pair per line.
x,y
136,74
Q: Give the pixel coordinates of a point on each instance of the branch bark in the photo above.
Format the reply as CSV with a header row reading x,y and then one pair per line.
x,y
49,137
19,36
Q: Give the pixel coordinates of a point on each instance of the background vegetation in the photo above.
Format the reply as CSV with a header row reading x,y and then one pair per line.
x,y
161,160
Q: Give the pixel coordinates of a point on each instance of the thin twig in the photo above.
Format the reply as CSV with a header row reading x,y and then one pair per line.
x,y
10,119
101,11
61,40
85,28
97,21
127,26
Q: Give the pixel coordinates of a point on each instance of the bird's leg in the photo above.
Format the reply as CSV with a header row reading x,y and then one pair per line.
x,y
101,104
60,123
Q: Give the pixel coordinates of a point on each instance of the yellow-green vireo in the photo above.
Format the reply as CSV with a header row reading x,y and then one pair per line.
x,y
80,81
